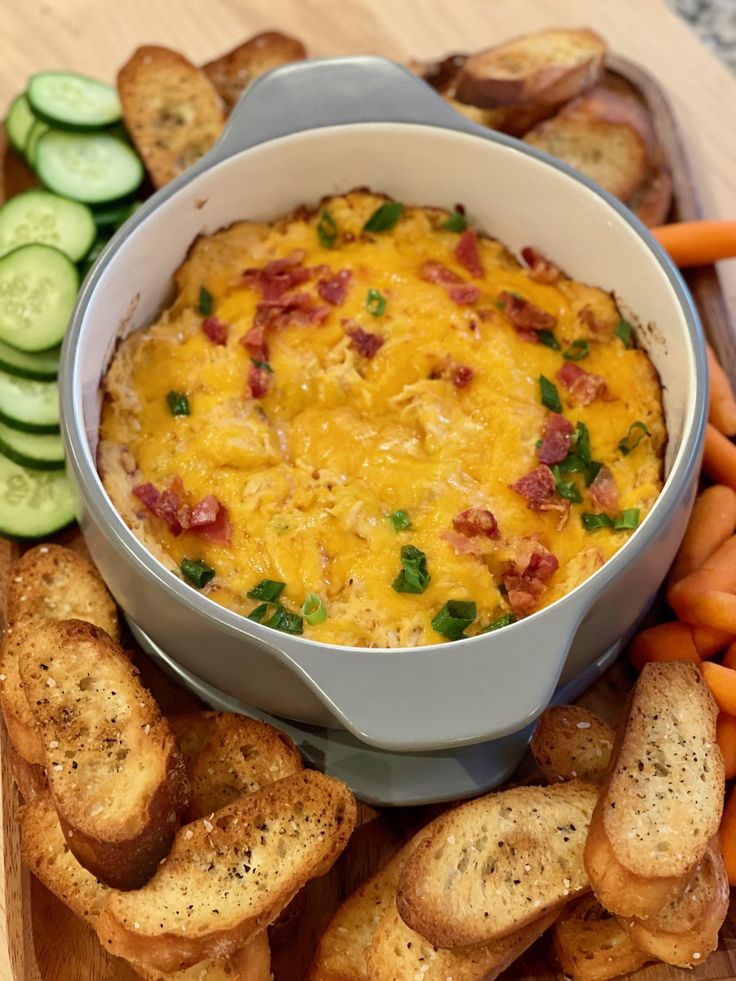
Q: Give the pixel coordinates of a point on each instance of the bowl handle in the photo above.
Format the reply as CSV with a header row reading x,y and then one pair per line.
x,y
328,92
408,700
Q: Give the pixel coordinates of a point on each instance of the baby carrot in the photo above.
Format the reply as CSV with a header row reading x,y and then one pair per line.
x,y
719,457
714,609
712,521
697,243
729,658
708,641
726,739
722,404
728,837
676,641
717,573
722,684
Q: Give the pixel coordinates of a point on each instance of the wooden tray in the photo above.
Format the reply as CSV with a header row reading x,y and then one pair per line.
x,y
47,943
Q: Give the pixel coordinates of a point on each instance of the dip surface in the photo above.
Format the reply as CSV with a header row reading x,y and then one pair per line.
x,y
371,373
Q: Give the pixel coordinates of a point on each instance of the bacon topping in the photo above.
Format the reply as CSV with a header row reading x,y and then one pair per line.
x,y
524,316
537,487
215,329
603,492
584,386
587,317
541,270
208,519
297,308
467,254
363,341
528,574
278,276
259,381
437,272
464,295
464,545
217,528
334,289
556,440
461,375
476,521
255,342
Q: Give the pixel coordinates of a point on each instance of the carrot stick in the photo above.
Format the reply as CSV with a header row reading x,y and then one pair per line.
x,y
726,739
718,573
721,404
665,642
729,658
719,457
722,684
712,521
728,837
697,243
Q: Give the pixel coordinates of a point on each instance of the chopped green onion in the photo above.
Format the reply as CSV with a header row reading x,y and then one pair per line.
x,y
627,444
197,572
566,488
206,303
456,222
581,441
400,520
260,612
454,617
290,623
375,303
550,395
624,332
264,365
578,350
267,589
503,621
547,338
413,577
178,403
627,520
579,459
591,522
384,218
326,229
313,610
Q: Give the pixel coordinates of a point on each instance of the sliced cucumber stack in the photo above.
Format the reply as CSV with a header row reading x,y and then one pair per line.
x,y
39,367
34,135
38,288
36,450
46,218
73,101
18,122
31,406
33,503
89,167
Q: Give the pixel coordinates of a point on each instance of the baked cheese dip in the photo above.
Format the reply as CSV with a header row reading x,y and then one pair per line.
x,y
372,425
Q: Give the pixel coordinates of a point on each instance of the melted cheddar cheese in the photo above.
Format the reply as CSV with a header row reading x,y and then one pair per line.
x,y
310,472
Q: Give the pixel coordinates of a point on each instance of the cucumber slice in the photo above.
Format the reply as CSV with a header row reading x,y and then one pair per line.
x,y
35,450
89,167
31,406
34,135
43,217
73,101
18,122
33,503
39,367
38,288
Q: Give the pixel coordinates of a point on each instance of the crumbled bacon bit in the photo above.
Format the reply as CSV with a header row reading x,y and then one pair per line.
x,y
464,295
556,439
278,276
467,254
589,319
461,375
464,545
603,491
364,342
538,487
334,289
208,519
476,521
541,270
218,531
527,576
524,316
260,379
437,272
216,329
584,386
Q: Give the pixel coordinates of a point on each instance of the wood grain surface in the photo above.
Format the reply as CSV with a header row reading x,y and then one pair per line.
x,y
39,939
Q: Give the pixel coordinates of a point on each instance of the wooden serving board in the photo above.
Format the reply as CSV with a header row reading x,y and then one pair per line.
x,y
47,943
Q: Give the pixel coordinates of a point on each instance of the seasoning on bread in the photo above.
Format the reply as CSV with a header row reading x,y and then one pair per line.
x,y
229,756
171,110
569,741
591,945
114,768
497,863
234,71
229,875
48,582
251,962
662,801
548,67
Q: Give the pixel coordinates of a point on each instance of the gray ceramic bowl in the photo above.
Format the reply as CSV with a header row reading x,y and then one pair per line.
x,y
316,128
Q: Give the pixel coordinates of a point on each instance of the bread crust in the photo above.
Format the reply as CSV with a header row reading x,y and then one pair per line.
x,y
591,945
569,742
234,71
252,962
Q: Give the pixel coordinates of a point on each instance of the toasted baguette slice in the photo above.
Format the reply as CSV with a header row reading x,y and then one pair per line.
x,y
171,110
606,135
569,741
652,202
498,863
250,963
662,801
233,72
685,932
48,582
591,945
237,756
227,878
29,778
548,67
114,768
